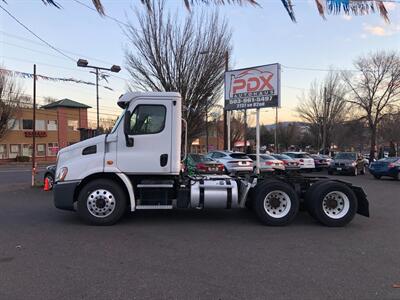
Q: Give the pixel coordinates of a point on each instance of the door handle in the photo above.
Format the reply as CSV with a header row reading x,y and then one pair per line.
x,y
163,160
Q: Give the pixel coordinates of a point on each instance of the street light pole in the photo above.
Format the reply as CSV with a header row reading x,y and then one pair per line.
x,y
97,99
84,64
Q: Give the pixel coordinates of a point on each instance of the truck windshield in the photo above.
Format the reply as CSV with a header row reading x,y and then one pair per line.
x,y
118,121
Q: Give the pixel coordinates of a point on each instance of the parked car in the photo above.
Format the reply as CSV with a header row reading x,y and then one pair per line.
x,y
305,161
268,163
388,166
320,161
347,162
201,164
50,174
289,163
234,162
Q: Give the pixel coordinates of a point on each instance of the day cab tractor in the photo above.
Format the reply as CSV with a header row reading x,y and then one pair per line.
x,y
138,166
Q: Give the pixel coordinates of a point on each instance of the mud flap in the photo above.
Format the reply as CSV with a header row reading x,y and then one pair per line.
x,y
363,204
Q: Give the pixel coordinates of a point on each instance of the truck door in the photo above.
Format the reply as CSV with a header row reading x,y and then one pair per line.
x,y
150,128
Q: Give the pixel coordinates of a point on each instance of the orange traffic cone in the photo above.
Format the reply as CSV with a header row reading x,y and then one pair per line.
x,y
46,185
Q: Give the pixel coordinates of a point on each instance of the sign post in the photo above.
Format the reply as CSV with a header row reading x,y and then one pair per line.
x,y
253,88
258,141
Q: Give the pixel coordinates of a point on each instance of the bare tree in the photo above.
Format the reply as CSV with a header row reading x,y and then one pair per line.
x,y
289,134
237,127
324,102
375,89
10,97
187,58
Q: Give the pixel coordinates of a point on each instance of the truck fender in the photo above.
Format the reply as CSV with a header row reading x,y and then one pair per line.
x,y
129,188
363,205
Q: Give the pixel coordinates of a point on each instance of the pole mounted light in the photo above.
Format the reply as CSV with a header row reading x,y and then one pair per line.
x,y
85,64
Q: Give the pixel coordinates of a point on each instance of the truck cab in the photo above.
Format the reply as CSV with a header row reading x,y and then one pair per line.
x,y
138,166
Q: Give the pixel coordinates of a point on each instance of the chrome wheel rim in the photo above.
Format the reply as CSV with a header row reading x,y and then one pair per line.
x,y
336,205
277,204
100,203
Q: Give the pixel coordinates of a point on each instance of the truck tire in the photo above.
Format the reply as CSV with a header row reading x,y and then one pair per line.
x,y
309,195
275,203
332,203
101,202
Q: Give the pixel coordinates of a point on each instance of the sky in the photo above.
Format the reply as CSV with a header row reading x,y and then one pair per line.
x,y
261,35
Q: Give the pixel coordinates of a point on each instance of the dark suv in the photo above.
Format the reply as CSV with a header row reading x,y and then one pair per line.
x,y
348,163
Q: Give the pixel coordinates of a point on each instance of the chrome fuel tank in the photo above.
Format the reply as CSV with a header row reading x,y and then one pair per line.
x,y
214,192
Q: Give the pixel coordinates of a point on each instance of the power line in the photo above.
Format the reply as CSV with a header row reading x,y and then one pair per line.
x,y
37,36
40,44
318,69
107,16
33,50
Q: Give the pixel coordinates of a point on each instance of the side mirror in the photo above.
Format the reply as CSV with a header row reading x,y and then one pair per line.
x,y
127,119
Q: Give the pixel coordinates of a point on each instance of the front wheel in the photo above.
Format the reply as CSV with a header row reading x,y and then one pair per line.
x,y
101,202
276,203
377,177
333,204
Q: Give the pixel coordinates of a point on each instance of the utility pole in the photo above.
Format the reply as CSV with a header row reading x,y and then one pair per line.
x,y
227,114
84,64
207,126
34,128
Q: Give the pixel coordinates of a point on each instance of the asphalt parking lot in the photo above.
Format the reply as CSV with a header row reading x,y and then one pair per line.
x,y
46,253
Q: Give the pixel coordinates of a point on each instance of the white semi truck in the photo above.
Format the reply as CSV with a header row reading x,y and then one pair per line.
x,y
138,166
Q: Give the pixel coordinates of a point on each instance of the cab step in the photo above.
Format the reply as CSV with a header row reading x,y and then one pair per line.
x,y
154,207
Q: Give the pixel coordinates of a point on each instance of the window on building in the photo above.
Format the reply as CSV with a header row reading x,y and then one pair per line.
x,y
40,125
41,149
52,125
52,149
27,150
3,151
14,124
73,124
148,119
27,124
14,150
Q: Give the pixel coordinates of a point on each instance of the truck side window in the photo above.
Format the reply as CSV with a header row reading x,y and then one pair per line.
x,y
148,119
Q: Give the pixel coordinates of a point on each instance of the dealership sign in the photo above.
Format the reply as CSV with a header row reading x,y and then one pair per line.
x,y
255,87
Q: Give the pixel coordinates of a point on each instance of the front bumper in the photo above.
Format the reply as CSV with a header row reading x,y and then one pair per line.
x,y
64,194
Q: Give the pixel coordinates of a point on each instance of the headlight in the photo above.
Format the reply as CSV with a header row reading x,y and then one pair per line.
x,y
353,164
61,174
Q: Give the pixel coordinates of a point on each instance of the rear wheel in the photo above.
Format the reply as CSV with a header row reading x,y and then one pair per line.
x,y
330,172
397,176
309,194
275,203
333,204
377,177
101,202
